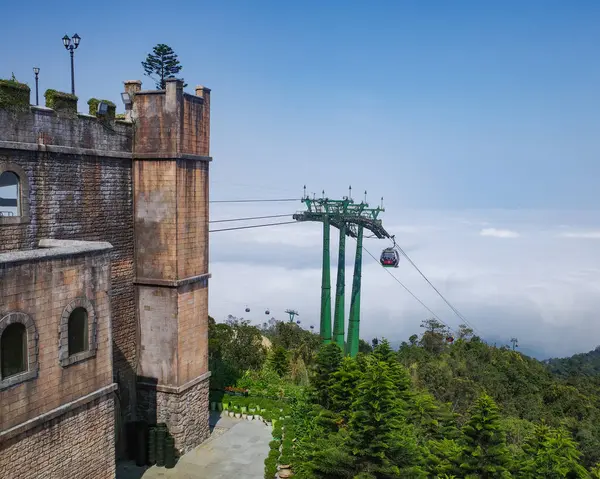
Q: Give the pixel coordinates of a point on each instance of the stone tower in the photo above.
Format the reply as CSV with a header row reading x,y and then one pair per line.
x,y
170,189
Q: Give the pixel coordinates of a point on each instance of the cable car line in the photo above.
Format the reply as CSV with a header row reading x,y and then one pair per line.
x,y
434,288
409,291
251,218
255,201
253,226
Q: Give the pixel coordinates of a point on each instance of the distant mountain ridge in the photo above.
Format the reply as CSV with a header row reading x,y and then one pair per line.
x,y
583,364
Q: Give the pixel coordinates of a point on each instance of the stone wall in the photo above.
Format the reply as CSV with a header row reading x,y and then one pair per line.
x,y
171,165
46,130
42,287
186,412
76,174
76,445
193,331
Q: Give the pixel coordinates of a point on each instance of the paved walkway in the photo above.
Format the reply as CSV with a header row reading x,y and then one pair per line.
x,y
236,448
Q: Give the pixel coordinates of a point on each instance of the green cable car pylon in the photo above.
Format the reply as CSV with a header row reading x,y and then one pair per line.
x,y
351,219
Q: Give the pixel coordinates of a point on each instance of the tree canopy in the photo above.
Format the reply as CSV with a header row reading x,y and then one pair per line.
x,y
161,65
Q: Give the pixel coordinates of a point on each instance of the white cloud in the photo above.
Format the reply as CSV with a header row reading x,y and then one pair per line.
x,y
496,233
542,289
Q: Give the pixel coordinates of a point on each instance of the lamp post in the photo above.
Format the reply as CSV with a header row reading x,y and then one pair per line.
x,y
71,48
36,71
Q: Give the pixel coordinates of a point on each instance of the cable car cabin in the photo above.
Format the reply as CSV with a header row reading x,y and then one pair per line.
x,y
247,309
449,339
267,312
389,258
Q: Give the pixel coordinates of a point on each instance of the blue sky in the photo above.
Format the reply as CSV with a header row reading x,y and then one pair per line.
x,y
448,107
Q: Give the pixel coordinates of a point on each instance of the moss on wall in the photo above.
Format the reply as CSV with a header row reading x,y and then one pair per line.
x,y
59,101
14,95
112,108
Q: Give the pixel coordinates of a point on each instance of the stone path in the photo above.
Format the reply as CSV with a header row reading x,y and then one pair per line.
x,y
236,448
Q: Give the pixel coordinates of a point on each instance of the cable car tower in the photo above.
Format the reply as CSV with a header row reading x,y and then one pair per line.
x,y
351,219
292,313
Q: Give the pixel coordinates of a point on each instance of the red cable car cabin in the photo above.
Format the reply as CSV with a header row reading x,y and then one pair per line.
x,y
389,258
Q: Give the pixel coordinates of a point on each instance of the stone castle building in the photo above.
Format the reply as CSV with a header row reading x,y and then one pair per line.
x,y
103,279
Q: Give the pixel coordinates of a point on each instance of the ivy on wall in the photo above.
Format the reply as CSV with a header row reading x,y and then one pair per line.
x,y
59,101
93,104
14,95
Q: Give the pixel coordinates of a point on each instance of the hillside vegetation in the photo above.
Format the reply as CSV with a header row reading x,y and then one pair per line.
x,y
431,409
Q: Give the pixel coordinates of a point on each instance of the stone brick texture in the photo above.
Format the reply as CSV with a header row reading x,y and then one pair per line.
x,y
89,195
155,187
171,234
83,197
42,290
158,333
42,126
186,413
193,331
77,445
192,218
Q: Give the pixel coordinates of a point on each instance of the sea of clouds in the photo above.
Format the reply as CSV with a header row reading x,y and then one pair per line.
x,y
534,275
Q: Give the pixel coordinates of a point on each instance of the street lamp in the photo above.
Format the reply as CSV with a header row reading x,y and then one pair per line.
x,y
71,48
36,71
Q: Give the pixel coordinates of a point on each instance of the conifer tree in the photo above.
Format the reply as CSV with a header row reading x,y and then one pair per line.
x,y
398,373
279,362
327,361
379,437
344,387
552,454
161,64
444,457
485,454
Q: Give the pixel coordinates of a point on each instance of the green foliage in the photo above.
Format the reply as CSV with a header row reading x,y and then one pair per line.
x,y
234,347
161,65
444,458
267,383
433,339
59,101
93,108
551,453
364,347
344,387
485,454
14,95
432,409
278,361
328,361
379,437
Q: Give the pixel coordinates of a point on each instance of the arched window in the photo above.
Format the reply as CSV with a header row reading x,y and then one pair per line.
x,y
13,350
78,331
18,349
10,194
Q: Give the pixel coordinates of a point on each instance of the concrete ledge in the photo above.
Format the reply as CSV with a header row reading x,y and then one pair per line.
x,y
67,150
170,156
54,413
14,220
172,283
51,248
163,388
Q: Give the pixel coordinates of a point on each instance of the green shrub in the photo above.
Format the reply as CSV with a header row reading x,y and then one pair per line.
x,y
93,108
14,95
270,467
274,444
60,101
